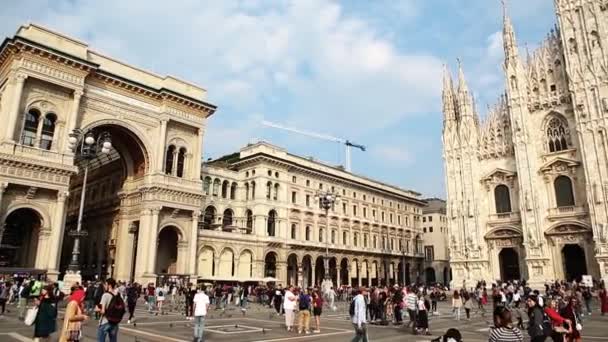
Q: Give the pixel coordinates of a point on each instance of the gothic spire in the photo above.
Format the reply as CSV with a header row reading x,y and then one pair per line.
x,y
448,95
463,88
508,34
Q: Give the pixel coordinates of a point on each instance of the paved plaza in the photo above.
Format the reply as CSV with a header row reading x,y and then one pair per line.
x,y
262,325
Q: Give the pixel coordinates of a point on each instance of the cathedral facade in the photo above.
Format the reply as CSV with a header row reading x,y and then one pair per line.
x,y
527,187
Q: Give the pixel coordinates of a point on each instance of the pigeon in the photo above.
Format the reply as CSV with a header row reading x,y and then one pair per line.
x,y
135,324
263,331
236,326
170,325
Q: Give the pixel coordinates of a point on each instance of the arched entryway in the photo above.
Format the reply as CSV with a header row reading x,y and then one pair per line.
x,y
344,272
307,271
166,256
270,265
319,270
245,265
108,250
19,238
333,270
508,259
575,264
429,275
292,270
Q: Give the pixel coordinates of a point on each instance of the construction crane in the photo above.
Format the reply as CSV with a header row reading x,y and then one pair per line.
x,y
349,144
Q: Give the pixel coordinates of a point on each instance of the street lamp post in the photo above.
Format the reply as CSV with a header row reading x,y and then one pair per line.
x,y
86,146
327,200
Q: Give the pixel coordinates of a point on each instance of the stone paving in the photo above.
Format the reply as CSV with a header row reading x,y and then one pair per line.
x,y
261,324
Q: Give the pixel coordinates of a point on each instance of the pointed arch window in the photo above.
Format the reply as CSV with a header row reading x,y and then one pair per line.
x,y
564,195
169,159
48,131
181,159
30,127
502,199
271,224
558,135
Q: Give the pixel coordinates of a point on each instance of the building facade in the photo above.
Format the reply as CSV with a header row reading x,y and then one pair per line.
x,y
435,242
143,199
261,219
527,193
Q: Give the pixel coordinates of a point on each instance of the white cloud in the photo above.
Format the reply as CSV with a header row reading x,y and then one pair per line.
x,y
391,154
495,48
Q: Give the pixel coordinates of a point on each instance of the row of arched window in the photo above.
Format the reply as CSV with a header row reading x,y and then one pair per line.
x,y
562,186
218,188
38,130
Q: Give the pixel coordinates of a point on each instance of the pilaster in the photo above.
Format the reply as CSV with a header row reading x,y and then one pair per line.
x,y
17,82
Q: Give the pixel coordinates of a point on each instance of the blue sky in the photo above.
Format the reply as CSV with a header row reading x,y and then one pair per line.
x,y
368,71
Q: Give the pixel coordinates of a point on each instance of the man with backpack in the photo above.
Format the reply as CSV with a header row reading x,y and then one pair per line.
x,y
304,301
111,308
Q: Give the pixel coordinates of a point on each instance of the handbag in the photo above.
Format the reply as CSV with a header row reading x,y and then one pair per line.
x,y
579,326
30,316
74,335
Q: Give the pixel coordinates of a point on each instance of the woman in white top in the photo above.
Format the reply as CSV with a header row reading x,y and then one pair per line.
x,y
456,305
289,305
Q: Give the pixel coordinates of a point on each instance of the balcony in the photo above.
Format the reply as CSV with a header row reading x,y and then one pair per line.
x,y
502,218
567,212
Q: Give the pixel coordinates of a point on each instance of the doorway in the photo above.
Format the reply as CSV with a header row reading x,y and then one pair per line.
x,y
575,265
509,264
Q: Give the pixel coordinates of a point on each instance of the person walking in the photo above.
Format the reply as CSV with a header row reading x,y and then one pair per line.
x,y
423,316
201,306
24,293
89,299
160,299
503,330
73,318
189,294
358,313
468,305
456,305
570,312
278,299
317,309
557,322
111,308
289,305
304,304
603,298
411,300
4,295
535,324
132,295
46,319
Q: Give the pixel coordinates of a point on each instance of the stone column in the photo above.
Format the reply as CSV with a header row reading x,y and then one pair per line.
x,y
282,273
3,186
182,257
152,242
43,247
314,275
358,274
198,155
193,244
73,117
174,166
56,238
162,145
124,250
300,277
339,273
142,245
13,113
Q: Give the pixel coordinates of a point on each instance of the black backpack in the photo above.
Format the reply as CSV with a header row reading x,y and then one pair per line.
x,y
547,326
115,310
304,302
351,309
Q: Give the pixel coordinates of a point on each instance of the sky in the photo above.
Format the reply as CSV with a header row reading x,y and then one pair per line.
x,y
364,70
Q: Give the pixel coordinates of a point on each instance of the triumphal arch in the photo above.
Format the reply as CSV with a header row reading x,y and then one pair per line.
x,y
143,198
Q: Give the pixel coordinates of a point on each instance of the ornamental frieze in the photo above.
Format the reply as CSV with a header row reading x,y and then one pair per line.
x,y
57,73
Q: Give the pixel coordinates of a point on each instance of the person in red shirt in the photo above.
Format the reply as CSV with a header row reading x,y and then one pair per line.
x,y
317,305
603,296
557,321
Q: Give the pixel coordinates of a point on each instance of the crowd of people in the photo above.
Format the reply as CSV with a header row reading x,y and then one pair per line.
x,y
557,313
